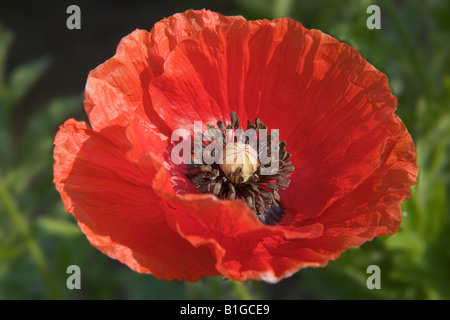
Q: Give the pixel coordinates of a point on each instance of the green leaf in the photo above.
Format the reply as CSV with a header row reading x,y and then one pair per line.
x,y
58,227
36,148
45,123
9,253
25,76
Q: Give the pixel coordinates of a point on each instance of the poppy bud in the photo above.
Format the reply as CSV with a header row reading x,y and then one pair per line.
x,y
239,155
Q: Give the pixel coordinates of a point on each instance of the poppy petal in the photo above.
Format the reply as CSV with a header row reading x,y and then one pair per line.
x,y
169,32
234,234
371,209
120,85
115,205
334,109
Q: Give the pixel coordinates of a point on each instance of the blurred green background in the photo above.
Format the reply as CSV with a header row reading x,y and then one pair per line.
x,y
43,69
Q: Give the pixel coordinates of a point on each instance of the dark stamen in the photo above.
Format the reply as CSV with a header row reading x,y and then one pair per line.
x,y
260,192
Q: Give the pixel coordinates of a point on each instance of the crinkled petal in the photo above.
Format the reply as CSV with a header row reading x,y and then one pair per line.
x,y
240,242
120,85
116,207
371,209
333,108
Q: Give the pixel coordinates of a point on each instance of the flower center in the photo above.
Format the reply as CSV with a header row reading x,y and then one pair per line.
x,y
241,157
252,165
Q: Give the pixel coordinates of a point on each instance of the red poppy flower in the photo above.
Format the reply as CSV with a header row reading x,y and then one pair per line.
x,y
345,160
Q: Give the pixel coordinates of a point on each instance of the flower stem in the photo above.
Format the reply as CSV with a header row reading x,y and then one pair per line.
x,y
241,290
214,286
24,231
